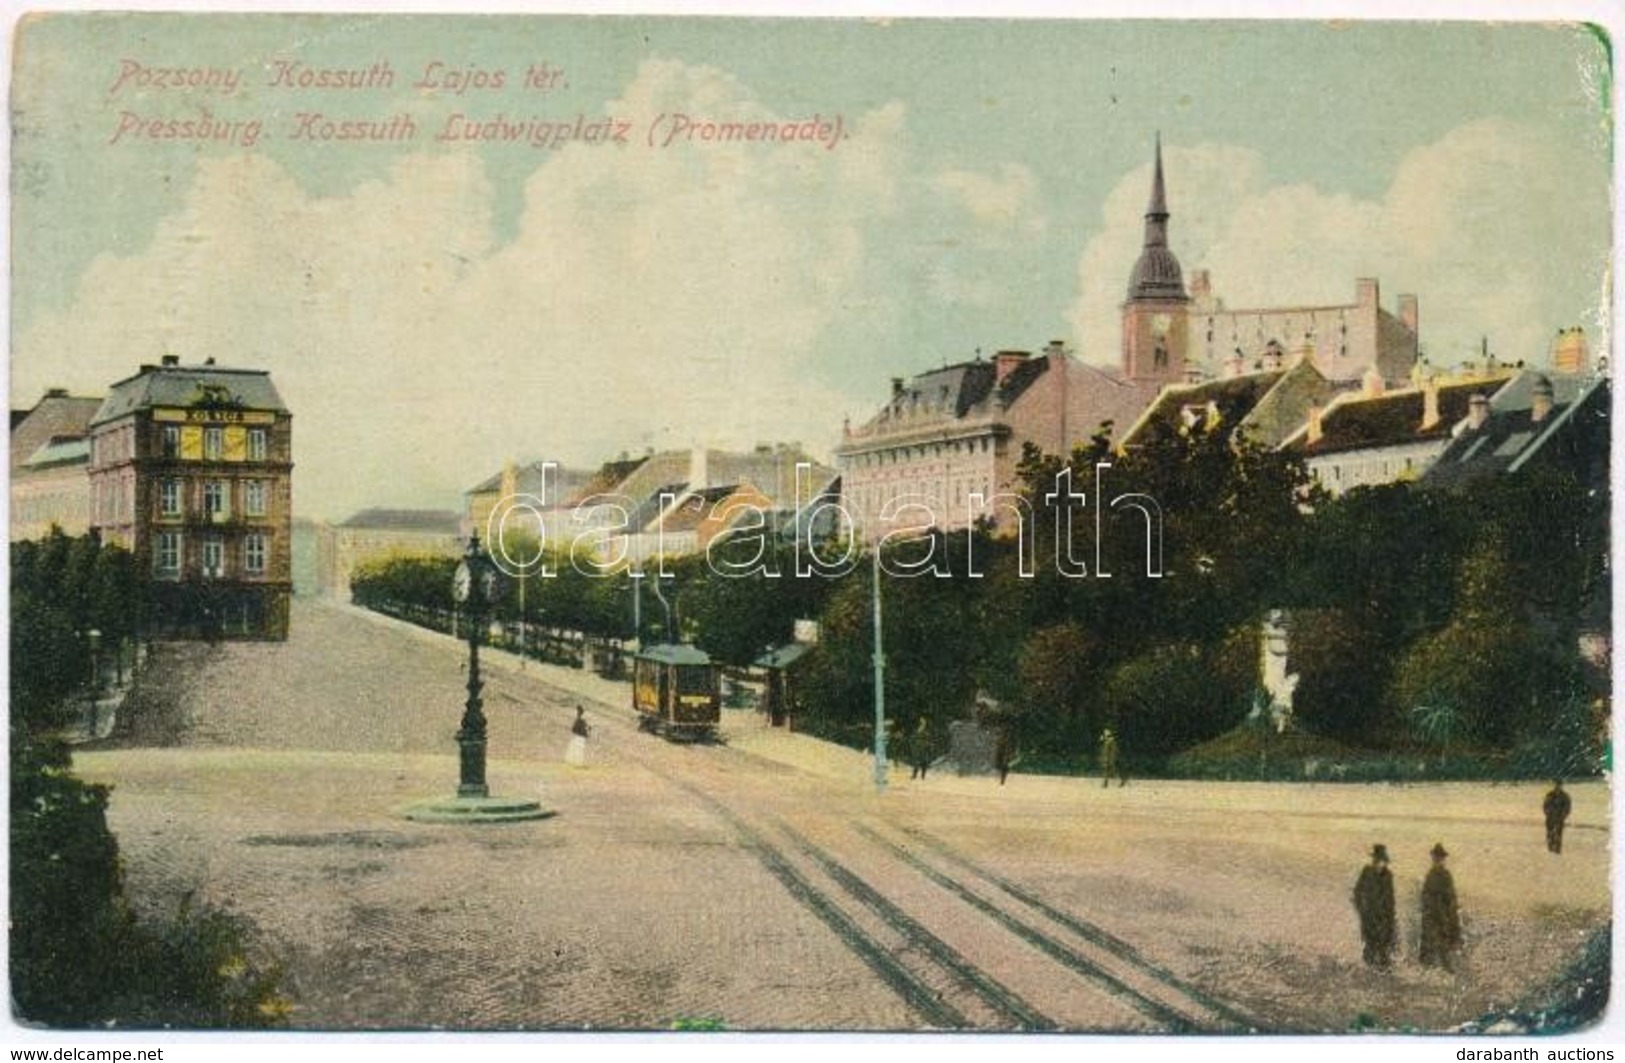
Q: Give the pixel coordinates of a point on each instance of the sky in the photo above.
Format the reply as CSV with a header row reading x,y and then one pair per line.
x,y
430,308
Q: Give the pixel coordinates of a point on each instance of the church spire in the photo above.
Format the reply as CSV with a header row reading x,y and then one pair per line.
x,y
1157,210
1157,274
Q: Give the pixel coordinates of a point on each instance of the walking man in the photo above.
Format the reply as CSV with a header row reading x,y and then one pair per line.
x,y
1374,901
1441,919
1556,806
1109,764
922,747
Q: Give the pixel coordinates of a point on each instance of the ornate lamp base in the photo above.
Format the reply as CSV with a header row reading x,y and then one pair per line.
x,y
462,809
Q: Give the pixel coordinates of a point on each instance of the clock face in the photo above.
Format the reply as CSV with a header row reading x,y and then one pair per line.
x,y
461,582
489,584
1160,324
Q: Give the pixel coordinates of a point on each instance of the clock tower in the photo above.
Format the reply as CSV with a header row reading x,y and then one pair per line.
x,y
1155,315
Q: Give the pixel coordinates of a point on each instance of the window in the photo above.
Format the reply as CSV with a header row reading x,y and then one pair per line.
x,y
172,440
254,498
217,499
214,556
214,443
169,498
254,554
256,444
169,553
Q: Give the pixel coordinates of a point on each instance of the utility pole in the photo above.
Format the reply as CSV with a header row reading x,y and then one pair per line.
x,y
880,686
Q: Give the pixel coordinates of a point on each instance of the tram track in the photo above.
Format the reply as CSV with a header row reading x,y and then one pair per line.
x,y
944,987
1089,931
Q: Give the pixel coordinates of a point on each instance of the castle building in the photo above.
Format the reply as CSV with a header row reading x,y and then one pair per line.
x,y
1172,337
191,470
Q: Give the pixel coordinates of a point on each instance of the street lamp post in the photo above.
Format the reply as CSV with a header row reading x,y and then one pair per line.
x,y
94,637
473,586
880,685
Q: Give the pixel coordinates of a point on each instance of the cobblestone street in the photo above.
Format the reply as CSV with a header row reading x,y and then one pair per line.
x,y
762,884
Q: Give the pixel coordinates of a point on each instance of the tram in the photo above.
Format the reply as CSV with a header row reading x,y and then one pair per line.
x,y
676,693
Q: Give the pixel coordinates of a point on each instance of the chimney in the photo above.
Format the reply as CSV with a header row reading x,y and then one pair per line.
x,y
169,361
896,386
1005,361
1055,349
1366,292
1236,364
1430,404
698,473
1570,354
1371,382
1540,400
1305,350
56,393
1478,411
1201,290
1315,413
1408,313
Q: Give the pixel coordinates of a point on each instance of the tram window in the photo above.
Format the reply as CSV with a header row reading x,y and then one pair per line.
x,y
694,681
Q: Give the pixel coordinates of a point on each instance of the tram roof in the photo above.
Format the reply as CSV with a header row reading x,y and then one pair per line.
x,y
675,653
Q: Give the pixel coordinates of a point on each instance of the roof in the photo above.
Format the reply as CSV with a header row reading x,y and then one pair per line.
x,y
191,385
609,475
695,507
1268,405
674,653
418,520
546,480
649,508
59,452
57,416
1510,437
1359,422
783,656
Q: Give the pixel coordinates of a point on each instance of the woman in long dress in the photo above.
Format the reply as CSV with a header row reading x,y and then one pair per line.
x,y
576,752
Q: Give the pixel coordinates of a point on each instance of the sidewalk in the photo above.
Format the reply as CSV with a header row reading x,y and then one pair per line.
x,y
745,730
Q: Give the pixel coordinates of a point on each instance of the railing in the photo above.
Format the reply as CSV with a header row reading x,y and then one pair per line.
x,y
549,645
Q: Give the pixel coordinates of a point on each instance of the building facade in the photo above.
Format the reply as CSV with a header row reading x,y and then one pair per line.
x,y
376,534
944,451
191,469
50,453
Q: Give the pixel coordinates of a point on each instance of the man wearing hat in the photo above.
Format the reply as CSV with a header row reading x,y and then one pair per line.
x,y
1374,901
1441,920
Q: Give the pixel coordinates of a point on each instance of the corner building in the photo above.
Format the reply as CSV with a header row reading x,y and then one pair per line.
x,y
191,470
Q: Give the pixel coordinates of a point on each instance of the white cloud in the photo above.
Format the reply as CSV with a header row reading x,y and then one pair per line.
x,y
1472,224
1005,204
649,298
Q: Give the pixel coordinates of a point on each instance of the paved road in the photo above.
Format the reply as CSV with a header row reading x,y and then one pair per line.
x,y
763,884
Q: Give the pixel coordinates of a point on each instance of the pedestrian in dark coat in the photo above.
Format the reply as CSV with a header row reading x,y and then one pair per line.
x,y
1556,806
1441,919
1374,901
1001,754
1110,762
921,747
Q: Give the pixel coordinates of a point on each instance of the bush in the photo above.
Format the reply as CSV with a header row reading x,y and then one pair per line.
x,y
79,957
